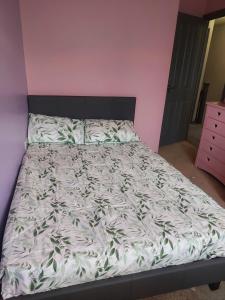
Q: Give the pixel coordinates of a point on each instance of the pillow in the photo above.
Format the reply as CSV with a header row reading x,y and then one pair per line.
x,y
109,131
45,129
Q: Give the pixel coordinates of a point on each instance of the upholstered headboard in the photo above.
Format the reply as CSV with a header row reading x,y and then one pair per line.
x,y
83,107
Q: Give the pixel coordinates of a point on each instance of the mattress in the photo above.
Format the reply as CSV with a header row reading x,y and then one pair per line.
x,y
87,212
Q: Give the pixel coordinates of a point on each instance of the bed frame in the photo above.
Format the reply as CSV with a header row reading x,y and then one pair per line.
x,y
84,107
138,285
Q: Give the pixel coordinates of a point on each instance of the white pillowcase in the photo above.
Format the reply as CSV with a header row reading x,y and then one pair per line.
x,y
109,131
46,129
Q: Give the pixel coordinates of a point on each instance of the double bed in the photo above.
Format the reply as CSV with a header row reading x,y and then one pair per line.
x,y
106,221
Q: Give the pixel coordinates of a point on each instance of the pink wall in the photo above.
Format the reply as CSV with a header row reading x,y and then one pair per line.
x,y
13,91
213,5
98,47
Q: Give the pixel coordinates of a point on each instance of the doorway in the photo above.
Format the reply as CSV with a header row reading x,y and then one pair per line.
x,y
189,86
212,81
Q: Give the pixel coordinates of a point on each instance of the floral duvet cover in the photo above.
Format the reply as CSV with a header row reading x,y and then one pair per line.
x,y
82,213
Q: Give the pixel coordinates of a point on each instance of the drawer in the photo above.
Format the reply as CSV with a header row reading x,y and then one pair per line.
x,y
204,166
213,138
212,163
215,126
213,150
216,113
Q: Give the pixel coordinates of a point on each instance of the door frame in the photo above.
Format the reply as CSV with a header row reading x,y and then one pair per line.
x,y
198,81
195,90
209,17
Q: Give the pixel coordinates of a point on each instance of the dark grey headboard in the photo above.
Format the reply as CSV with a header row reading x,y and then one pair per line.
x,y
83,107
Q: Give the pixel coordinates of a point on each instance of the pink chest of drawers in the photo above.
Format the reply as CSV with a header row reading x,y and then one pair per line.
x,y
211,152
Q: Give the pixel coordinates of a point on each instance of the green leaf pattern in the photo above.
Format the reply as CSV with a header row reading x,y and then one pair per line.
x,y
109,131
87,212
46,129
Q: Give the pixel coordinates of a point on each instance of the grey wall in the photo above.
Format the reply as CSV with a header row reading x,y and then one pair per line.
x,y
215,68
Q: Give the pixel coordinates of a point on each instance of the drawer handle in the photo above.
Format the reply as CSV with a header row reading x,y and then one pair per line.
x,y
213,137
208,158
219,113
210,148
216,125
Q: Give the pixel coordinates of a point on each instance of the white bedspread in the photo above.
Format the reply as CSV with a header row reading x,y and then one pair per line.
x,y
82,213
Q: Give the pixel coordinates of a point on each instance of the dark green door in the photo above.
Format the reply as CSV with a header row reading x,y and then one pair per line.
x,y
188,54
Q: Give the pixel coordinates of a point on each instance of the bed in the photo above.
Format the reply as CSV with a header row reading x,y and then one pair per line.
x,y
111,221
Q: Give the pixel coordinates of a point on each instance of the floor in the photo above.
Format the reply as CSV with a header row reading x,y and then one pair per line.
x,y
194,133
182,156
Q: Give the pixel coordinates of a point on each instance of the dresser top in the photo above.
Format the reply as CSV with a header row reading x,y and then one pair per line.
x,y
216,104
